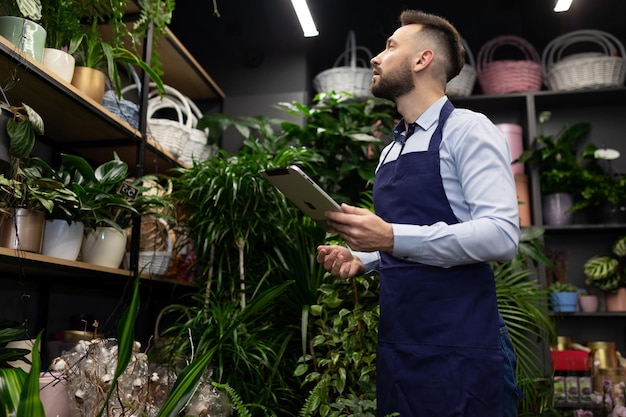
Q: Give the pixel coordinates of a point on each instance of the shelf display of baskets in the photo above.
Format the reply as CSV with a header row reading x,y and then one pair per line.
x,y
463,84
354,77
602,65
509,75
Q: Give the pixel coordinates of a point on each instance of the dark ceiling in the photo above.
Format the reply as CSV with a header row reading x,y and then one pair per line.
x,y
251,31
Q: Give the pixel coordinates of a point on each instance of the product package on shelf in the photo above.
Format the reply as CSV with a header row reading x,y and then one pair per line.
x,y
572,378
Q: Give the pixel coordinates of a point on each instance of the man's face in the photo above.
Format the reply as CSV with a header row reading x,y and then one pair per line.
x,y
393,76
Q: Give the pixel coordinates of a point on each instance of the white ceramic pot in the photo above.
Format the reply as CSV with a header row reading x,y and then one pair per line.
x,y
104,246
62,239
59,62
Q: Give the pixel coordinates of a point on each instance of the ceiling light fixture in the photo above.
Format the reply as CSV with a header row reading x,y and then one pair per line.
x,y
562,5
305,18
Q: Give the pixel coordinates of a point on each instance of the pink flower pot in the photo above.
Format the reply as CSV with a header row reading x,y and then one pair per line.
x,y
588,303
616,300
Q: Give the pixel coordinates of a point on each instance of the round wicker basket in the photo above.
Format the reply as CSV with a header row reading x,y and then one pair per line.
x,y
509,76
156,247
463,84
172,135
604,66
354,77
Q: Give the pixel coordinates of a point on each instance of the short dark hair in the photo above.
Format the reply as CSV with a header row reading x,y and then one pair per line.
x,y
444,33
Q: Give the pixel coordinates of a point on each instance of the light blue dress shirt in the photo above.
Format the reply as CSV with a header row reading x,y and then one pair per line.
x,y
479,184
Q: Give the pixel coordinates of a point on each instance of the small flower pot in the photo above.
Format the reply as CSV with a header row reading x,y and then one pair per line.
x,y
556,209
616,300
564,302
62,239
588,303
104,246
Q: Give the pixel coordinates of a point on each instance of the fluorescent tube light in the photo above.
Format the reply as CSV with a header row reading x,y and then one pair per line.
x,y
305,18
562,5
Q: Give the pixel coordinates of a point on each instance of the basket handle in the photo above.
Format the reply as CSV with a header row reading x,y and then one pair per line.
x,y
165,103
485,54
174,99
468,54
554,51
349,55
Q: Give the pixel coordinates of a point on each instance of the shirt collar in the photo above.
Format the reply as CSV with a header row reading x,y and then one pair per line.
x,y
424,121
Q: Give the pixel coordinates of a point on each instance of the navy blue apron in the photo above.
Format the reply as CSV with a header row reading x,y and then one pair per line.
x,y
439,348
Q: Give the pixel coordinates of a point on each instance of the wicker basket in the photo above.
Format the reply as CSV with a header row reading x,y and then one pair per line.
x,y
124,109
156,245
171,134
603,67
196,148
463,84
509,76
354,77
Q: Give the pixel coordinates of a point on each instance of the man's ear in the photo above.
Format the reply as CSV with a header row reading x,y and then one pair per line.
x,y
424,59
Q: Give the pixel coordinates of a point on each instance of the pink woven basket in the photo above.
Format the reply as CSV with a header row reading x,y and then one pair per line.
x,y
509,76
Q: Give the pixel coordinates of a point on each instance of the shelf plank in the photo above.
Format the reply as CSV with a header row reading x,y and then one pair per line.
x,y
35,265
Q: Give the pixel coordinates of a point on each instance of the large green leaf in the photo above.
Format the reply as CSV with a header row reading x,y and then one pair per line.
x,y
30,403
185,386
22,137
11,382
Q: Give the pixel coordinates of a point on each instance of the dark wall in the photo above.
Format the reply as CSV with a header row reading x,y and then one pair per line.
x,y
250,48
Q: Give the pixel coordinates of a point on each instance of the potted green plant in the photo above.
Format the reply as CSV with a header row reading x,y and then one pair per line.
x,y
604,189
110,201
15,17
62,21
608,274
26,193
560,168
100,47
563,297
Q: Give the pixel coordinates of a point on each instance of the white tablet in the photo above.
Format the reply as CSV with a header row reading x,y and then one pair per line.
x,y
301,190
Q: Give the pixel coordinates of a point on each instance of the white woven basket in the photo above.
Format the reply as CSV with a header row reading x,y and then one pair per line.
x,y
354,77
171,134
603,67
196,148
463,84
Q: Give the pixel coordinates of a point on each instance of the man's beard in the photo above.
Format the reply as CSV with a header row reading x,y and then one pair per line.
x,y
396,83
